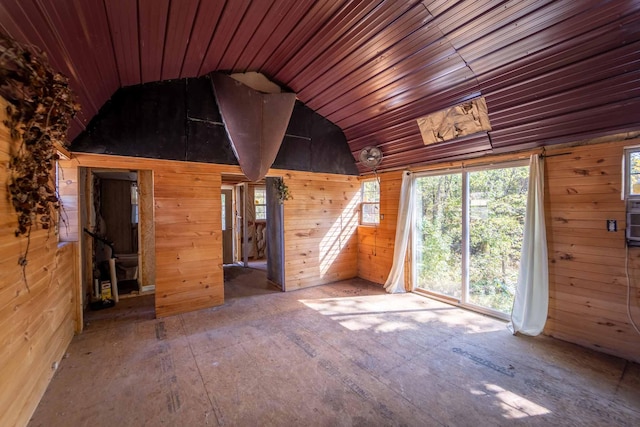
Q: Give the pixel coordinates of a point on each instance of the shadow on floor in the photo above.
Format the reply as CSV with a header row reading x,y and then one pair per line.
x,y
240,282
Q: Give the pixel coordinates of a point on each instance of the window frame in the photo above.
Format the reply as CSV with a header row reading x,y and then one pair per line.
x,y
464,300
256,205
364,203
626,175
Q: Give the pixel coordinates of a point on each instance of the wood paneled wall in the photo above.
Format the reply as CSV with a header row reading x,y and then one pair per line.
x,y
187,226
375,244
587,273
320,223
36,316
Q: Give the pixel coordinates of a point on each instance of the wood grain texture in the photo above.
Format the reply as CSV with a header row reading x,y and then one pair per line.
x,y
320,221
375,243
36,322
587,270
587,265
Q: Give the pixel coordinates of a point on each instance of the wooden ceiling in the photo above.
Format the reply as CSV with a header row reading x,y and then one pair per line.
x,y
551,71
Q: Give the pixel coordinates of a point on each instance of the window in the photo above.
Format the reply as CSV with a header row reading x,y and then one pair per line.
x,y
224,211
468,235
370,205
134,202
632,166
260,198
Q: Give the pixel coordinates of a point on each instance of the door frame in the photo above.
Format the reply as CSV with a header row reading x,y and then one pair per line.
x,y
146,228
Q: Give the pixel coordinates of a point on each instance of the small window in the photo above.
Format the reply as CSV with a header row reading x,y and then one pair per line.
x,y
260,197
370,205
134,202
224,211
632,166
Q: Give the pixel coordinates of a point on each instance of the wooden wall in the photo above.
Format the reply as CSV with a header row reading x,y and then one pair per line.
x,y
186,197
375,244
36,323
588,284
587,274
320,223
320,228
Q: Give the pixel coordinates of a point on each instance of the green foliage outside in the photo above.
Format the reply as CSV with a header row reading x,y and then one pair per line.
x,y
497,204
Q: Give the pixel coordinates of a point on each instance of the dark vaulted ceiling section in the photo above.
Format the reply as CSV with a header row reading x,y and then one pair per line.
x,y
550,71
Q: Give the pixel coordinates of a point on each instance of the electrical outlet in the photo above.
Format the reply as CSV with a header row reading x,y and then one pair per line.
x,y
612,225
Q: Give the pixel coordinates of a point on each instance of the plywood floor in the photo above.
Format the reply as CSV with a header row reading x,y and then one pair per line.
x,y
345,354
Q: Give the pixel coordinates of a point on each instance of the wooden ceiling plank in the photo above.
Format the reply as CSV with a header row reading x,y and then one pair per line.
x,y
182,14
602,39
538,24
367,123
380,53
277,35
418,70
93,23
270,27
370,67
245,32
36,27
206,21
586,35
224,33
566,78
491,18
123,24
309,25
611,118
74,69
339,24
152,28
444,74
404,131
359,38
612,90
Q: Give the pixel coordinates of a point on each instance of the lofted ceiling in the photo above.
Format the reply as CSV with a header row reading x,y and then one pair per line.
x,y
550,71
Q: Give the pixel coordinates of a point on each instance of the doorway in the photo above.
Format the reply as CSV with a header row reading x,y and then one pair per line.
x,y
252,228
118,242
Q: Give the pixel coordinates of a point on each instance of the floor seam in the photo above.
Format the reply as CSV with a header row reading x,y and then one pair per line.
x,y
213,407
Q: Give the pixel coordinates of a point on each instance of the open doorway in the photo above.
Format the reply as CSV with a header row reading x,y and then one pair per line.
x,y
252,234
118,253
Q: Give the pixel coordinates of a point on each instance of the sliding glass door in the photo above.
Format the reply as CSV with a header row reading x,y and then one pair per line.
x,y
438,235
468,235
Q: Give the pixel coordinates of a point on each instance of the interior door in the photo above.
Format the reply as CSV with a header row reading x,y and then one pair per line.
x,y
227,227
275,235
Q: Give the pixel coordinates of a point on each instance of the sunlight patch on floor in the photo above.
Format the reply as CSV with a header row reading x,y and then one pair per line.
x,y
514,405
409,311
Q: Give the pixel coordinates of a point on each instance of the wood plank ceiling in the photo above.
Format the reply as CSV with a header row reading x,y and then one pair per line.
x,y
551,71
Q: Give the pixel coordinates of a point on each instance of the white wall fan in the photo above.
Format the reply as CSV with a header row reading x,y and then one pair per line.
x,y
371,157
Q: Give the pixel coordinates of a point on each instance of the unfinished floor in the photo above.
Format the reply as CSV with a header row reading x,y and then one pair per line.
x,y
341,354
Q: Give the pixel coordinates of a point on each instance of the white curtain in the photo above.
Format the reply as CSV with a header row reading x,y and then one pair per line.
x,y
530,306
395,281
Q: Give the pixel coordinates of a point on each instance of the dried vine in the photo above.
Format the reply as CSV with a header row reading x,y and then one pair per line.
x,y
40,108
